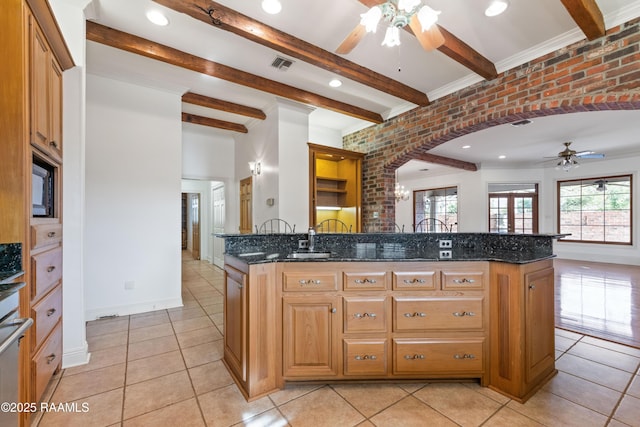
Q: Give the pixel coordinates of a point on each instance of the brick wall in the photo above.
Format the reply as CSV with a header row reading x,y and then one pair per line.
x,y
603,74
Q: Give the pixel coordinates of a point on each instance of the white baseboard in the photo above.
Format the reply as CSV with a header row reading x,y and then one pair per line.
x,y
125,310
75,357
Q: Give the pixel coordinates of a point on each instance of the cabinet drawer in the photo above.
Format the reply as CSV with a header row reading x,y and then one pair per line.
x,y
375,280
45,315
411,314
462,279
422,280
365,357
45,234
365,314
46,361
47,271
437,355
311,281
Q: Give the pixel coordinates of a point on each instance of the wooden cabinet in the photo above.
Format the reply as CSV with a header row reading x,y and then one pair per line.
x,y
45,94
251,327
522,327
335,186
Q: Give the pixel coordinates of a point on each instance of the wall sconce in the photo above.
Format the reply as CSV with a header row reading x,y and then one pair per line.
x,y
254,167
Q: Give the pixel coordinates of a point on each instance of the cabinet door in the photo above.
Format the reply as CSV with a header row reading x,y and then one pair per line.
x,y
40,56
235,309
55,105
309,335
539,323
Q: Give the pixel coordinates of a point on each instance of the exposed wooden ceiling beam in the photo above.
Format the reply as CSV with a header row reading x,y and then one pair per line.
x,y
214,123
447,161
228,19
457,50
226,106
588,16
134,44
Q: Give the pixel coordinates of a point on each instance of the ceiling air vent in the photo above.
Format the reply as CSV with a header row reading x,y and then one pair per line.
x,y
281,63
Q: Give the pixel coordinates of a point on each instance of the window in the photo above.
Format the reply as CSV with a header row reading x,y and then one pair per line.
x,y
596,210
436,209
513,208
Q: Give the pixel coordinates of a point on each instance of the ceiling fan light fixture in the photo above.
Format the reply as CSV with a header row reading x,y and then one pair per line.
x,y
427,17
496,8
371,18
392,37
272,7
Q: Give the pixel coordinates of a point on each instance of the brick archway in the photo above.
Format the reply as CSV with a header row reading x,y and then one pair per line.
x,y
598,75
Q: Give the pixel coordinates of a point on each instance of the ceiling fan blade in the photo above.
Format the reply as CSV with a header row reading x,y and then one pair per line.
x,y
352,40
590,155
430,39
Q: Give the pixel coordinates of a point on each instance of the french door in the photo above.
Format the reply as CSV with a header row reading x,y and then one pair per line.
x,y
513,213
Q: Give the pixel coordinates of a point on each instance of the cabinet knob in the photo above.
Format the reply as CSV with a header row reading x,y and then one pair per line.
x,y
51,358
532,286
414,356
50,312
53,144
51,268
334,310
366,357
51,234
464,356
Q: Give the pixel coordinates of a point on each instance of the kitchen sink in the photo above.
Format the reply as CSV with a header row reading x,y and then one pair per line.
x,y
309,255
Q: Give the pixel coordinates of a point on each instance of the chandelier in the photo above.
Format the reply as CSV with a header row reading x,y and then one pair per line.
x,y
398,14
400,192
567,163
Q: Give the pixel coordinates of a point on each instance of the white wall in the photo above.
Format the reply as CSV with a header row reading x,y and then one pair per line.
x,y
133,171
473,203
71,20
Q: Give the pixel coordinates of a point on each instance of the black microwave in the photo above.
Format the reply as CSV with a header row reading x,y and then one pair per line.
x,y
42,189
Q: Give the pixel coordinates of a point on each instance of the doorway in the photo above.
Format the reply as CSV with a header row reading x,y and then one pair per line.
x,y
246,197
513,208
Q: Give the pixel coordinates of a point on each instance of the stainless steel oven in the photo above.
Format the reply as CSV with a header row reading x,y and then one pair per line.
x,y
12,329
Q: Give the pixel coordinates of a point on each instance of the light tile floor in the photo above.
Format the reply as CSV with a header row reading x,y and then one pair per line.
x,y
163,369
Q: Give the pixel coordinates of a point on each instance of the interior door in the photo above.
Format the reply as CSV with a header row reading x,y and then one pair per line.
x,y
513,213
217,195
195,224
246,221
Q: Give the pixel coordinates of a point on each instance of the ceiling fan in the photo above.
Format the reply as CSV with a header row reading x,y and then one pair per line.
x,y
568,158
421,19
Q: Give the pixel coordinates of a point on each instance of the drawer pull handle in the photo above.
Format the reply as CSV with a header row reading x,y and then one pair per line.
x,y
363,315
409,282
51,358
464,356
414,357
366,357
363,281
464,280
309,282
50,312
416,314
51,234
240,286
53,144
464,313
51,268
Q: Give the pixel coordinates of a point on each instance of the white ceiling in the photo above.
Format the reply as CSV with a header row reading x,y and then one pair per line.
x,y
527,30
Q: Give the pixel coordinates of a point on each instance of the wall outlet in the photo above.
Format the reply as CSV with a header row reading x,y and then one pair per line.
x,y
130,284
376,214
444,243
445,254
303,244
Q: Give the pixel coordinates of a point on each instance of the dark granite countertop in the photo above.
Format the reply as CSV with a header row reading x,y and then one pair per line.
x,y
10,261
409,247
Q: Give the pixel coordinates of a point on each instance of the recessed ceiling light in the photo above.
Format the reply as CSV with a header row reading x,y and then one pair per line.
x,y
496,7
466,146
271,6
157,18
335,83
502,156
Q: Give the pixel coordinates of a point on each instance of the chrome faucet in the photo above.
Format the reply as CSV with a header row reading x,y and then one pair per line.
x,y
312,239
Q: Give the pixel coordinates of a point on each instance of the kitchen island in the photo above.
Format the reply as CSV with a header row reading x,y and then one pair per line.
x,y
394,307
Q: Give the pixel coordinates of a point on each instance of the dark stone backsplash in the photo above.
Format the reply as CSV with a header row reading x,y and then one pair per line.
x,y
10,259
